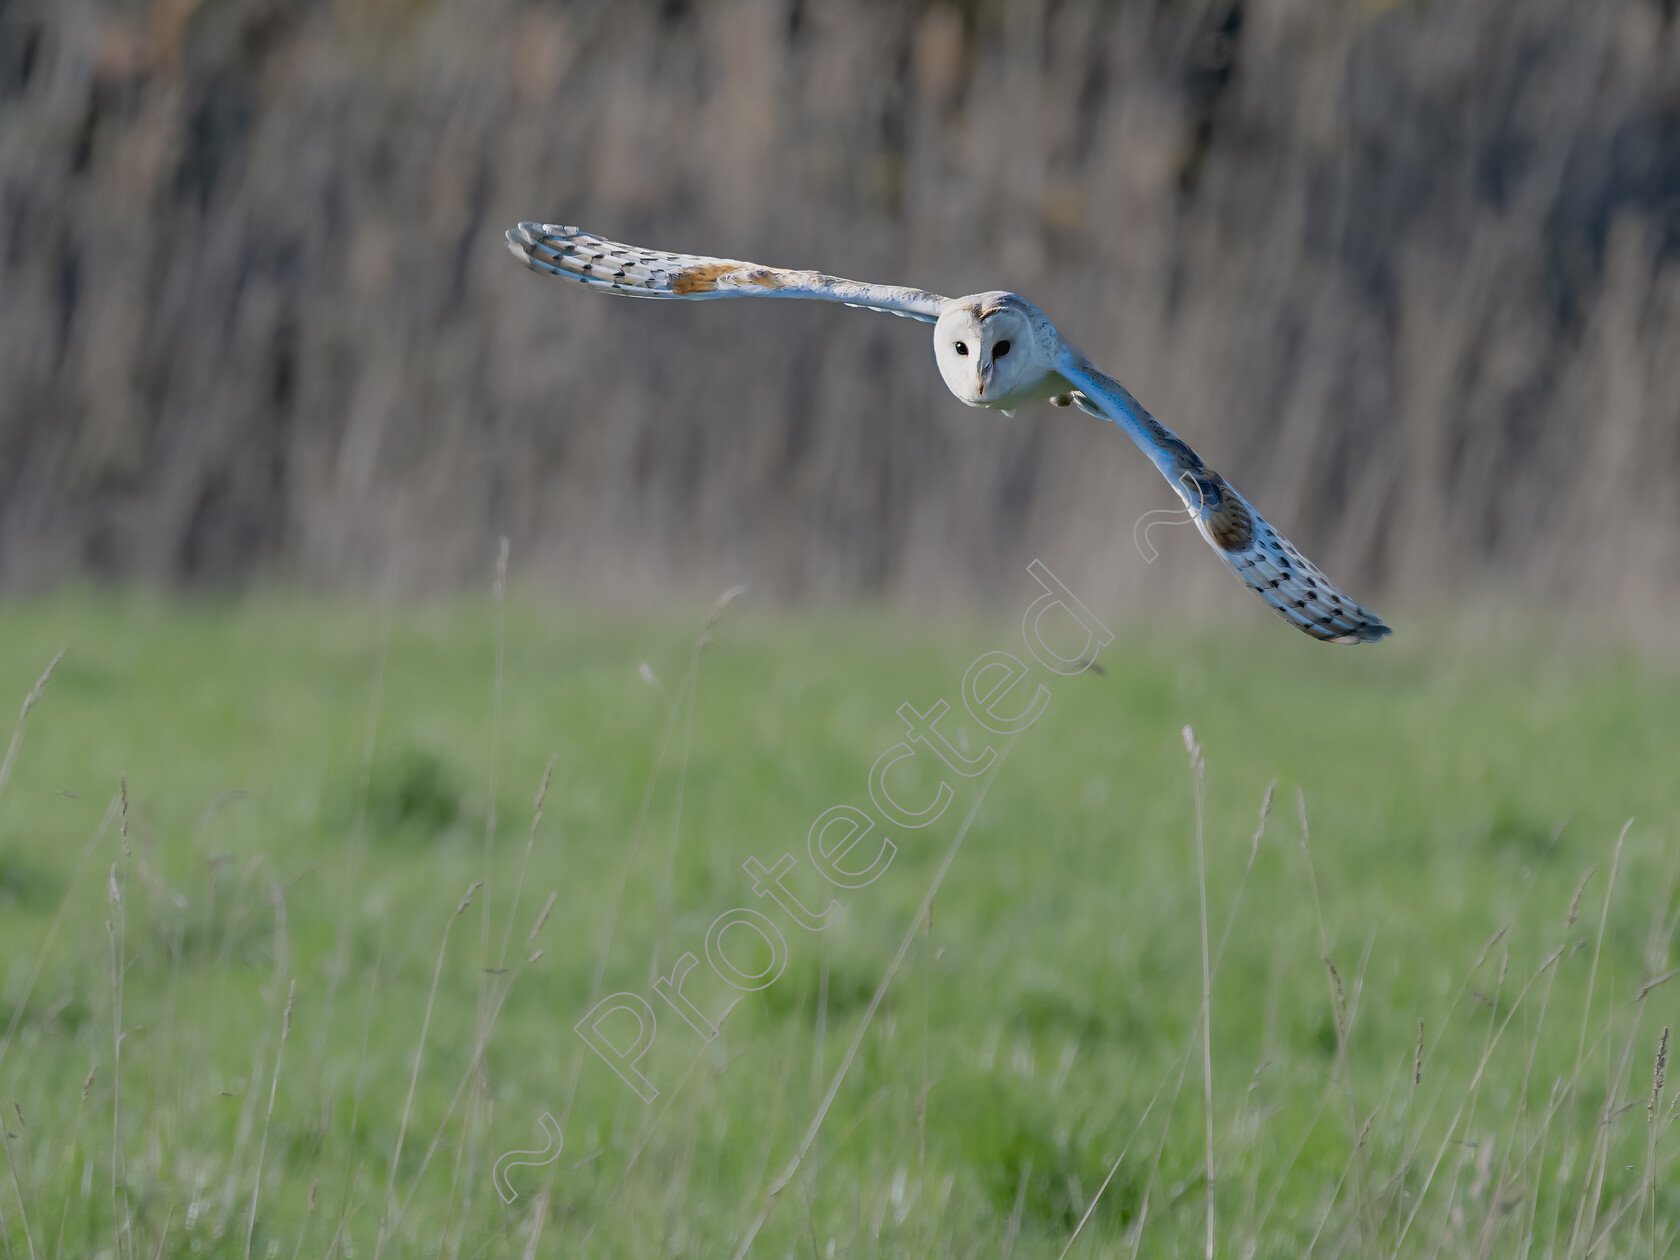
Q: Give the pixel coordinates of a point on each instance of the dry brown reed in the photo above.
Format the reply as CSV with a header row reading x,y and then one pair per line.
x,y
1477,392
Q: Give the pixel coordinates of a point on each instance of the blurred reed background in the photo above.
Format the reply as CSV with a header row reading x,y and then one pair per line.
x,y
1408,274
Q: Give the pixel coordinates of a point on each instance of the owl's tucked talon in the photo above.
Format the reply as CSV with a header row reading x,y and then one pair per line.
x,y
1062,400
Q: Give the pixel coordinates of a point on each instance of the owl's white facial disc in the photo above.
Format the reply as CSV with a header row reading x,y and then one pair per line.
x,y
988,354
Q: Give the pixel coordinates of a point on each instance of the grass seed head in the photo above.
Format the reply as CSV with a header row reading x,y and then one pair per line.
x,y
1265,812
723,601
1653,983
467,899
1491,942
543,917
542,788
1575,901
1658,1074
286,1015
1340,1011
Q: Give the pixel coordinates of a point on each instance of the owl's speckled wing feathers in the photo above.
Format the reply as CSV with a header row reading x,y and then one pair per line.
x,y
1268,563
589,260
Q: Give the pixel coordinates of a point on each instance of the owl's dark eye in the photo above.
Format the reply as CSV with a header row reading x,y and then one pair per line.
x,y
999,350
962,348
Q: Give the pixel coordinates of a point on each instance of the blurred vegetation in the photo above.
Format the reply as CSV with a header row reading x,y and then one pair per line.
x,y
1043,1024
1408,273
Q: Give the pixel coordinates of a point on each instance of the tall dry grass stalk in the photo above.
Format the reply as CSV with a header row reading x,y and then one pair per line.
x,y
1585,1215
358,832
163,1234
74,1152
1598,943
493,772
1013,1229
689,694
268,1116
638,833
539,1218
308,1216
1447,1139
462,1180
1343,1067
386,1224
340,1230
350,1178
29,702
486,1025
1585,1228
1135,1234
674,708
118,936
1198,779
17,1187
475,1063
52,928
525,859
1137,1227
773,1192
1114,1167
1659,1076
648,1131
341,945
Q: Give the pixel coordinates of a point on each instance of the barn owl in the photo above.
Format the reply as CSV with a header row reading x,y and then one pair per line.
x,y
993,350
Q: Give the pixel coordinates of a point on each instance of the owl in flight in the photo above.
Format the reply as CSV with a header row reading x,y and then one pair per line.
x,y
993,350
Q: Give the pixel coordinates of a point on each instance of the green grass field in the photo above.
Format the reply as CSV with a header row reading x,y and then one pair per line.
x,y
310,788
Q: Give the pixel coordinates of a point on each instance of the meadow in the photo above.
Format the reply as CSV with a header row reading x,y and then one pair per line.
x,y
293,959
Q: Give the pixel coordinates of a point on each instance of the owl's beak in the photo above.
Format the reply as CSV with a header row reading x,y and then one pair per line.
x,y
985,377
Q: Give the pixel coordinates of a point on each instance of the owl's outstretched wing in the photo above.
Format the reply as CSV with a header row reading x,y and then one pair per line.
x,y
1266,561
611,267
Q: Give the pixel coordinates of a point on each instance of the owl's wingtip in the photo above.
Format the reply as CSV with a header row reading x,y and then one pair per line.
x,y
1369,632
519,245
